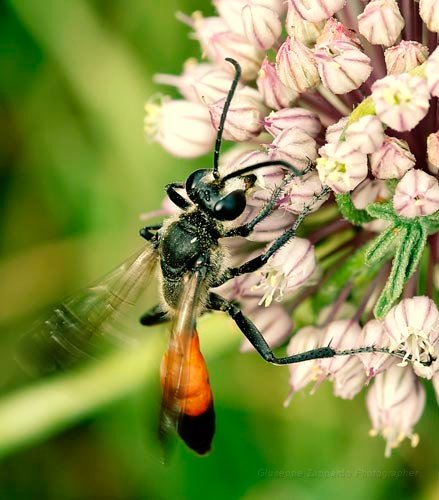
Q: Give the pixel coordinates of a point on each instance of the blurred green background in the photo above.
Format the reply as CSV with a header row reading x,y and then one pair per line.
x,y
76,172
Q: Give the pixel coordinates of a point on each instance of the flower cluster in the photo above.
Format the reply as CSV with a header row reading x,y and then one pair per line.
x,y
350,101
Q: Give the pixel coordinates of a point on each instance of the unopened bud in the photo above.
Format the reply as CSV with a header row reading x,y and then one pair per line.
x,y
429,12
204,82
433,152
335,131
381,22
262,25
366,134
297,118
273,91
219,43
316,11
298,27
296,66
182,127
432,73
392,160
293,146
244,119
301,192
404,57
342,66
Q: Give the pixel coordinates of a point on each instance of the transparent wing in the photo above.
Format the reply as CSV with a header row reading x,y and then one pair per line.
x,y
81,325
187,402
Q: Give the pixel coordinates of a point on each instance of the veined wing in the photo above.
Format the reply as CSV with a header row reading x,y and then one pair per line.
x,y
187,402
77,327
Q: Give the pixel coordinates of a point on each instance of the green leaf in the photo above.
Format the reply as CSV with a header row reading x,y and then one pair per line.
x,y
354,215
382,210
417,236
407,257
378,249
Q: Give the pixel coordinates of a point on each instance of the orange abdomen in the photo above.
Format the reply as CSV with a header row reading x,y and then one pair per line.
x,y
188,387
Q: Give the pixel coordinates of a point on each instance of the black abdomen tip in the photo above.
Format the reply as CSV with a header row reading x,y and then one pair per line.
x,y
197,431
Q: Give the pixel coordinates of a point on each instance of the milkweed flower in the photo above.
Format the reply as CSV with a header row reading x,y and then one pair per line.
x,y
416,194
413,327
288,269
395,403
181,127
348,96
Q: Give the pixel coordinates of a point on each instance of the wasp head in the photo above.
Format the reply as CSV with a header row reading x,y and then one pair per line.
x,y
221,200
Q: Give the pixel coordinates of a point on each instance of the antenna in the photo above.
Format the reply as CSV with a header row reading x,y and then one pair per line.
x,y
269,163
224,115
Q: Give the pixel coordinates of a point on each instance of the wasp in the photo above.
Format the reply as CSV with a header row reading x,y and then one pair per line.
x,y
186,255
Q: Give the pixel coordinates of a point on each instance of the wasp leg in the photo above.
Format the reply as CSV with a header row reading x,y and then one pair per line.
x,y
176,197
256,339
154,316
260,260
268,208
146,232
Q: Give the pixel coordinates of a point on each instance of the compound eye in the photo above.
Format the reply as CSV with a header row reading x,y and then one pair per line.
x,y
194,179
231,206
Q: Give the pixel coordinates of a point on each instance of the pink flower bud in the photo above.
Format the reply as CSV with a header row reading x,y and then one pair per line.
x,y
340,335
300,192
381,22
317,10
334,131
296,66
341,167
413,327
288,269
233,159
373,334
294,146
183,128
370,191
392,160
416,194
273,91
433,152
432,73
244,118
366,134
218,43
262,25
300,28
204,82
404,57
335,31
342,66
297,118
395,403
350,379
429,12
301,374
401,101
231,11
273,322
